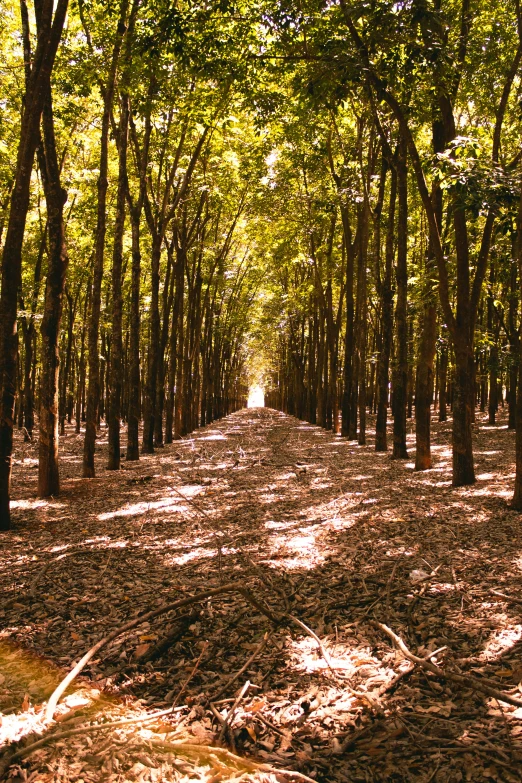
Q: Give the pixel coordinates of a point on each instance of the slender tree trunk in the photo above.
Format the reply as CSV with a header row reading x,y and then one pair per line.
x,y
149,408
28,396
48,473
517,496
134,340
179,401
349,334
362,325
116,353
400,380
174,348
168,295
93,388
38,79
428,337
381,437
493,353
66,374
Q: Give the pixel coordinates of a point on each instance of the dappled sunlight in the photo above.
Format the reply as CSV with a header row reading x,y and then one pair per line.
x,y
501,640
343,534
36,504
138,509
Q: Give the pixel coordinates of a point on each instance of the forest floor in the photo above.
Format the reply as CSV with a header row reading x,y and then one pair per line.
x,y
321,532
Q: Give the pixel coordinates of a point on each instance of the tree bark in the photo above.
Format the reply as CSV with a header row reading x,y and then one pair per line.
x,y
400,376
133,417
39,74
383,368
116,351
55,196
93,386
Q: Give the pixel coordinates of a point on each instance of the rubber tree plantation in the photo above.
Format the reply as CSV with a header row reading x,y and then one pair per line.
x,y
260,390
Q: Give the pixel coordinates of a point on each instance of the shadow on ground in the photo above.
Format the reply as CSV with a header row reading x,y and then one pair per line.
x,y
317,527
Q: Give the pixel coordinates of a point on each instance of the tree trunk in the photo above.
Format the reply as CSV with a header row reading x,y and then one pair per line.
x,y
116,353
168,295
428,338
362,325
134,340
400,379
463,470
149,402
93,388
38,79
348,337
383,367
55,196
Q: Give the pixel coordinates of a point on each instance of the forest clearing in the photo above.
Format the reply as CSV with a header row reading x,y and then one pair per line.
x,y
211,207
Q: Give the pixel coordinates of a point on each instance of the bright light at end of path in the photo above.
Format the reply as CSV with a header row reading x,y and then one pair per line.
x,y
256,397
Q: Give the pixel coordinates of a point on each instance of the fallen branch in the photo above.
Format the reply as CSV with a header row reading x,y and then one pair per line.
x,y
174,634
466,680
75,671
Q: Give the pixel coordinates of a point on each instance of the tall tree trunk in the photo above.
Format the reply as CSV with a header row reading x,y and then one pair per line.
x,y
133,416
349,334
65,375
116,353
400,376
428,337
168,296
180,339
517,496
93,387
55,196
149,402
493,352
383,369
38,79
177,320
362,325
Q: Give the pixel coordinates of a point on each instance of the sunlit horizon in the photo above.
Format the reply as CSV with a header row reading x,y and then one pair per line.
x,y
256,397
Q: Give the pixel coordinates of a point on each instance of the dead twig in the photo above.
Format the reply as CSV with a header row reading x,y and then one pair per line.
x,y
401,675
230,715
507,597
314,636
466,680
192,673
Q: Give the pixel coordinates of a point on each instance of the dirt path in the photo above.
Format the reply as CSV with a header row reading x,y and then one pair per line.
x,y
314,525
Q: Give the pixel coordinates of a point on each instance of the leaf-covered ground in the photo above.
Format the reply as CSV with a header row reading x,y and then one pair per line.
x,y
322,532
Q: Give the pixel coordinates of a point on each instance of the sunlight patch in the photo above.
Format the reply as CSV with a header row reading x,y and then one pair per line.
x,y
32,504
195,554
501,641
